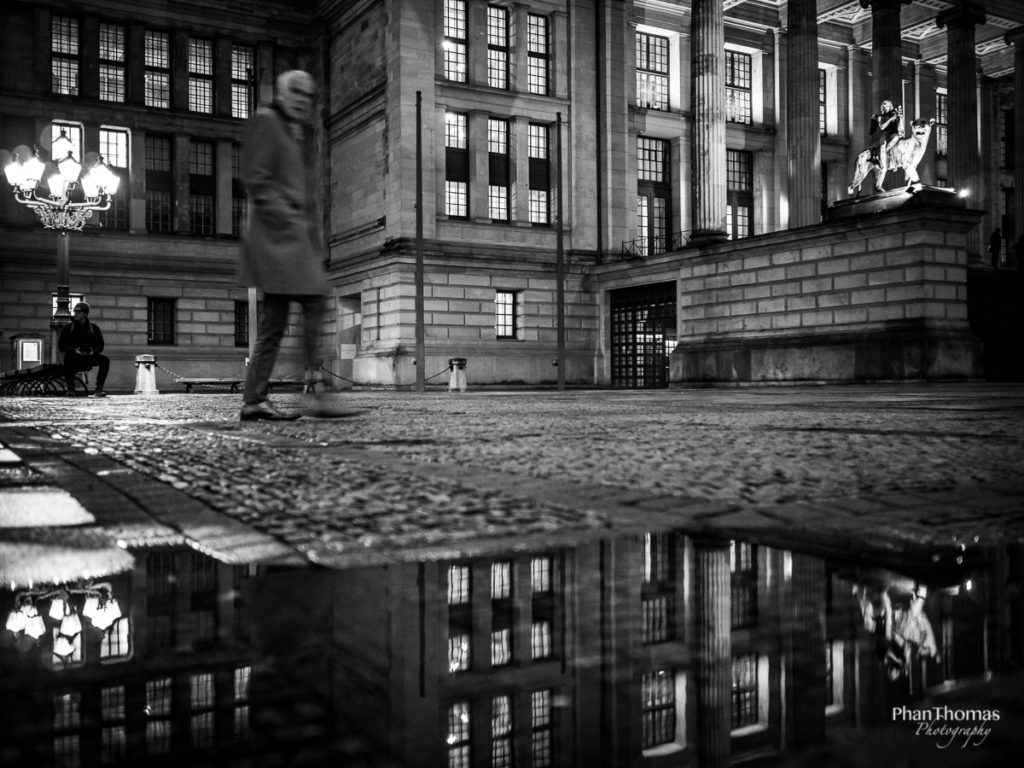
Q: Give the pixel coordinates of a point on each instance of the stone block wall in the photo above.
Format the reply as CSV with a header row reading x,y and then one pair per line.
x,y
873,297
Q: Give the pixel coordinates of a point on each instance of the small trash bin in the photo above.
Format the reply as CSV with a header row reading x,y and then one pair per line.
x,y
456,374
145,376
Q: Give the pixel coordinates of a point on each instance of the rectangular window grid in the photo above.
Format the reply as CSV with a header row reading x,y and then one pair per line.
x,y
112,736
458,584
823,102
201,702
738,81
200,75
652,159
115,642
456,199
454,45
456,130
501,646
739,173
541,729
941,124
243,64
67,720
505,314
160,324
158,70
657,709
158,714
64,52
541,576
744,691
657,592
114,151
540,640
111,68
458,652
241,323
501,732
497,46
537,56
501,580
743,566
652,71
243,677
458,735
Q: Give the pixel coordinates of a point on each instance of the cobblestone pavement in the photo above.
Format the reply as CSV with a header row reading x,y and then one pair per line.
x,y
921,471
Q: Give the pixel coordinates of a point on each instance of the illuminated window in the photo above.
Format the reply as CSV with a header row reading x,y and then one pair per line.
x,y
652,70
64,55
202,187
243,65
460,624
243,676
201,702
458,584
657,591
540,639
657,708
111,63
454,45
458,735
497,46
115,644
498,169
541,729
743,567
823,101
67,723
540,575
501,732
739,178
654,193
158,70
748,691
505,311
113,739
941,123
738,87
114,151
158,716
539,152
456,165
537,55
200,75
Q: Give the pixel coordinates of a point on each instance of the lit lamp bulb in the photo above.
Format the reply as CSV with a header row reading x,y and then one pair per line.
x,y
106,615
100,180
17,620
71,625
63,646
34,626
57,609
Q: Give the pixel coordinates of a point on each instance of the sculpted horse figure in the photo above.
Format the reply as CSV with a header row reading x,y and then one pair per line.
x,y
904,155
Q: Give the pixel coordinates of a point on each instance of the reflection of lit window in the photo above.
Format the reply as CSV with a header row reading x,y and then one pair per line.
x,y
158,712
201,701
458,735
657,709
458,584
540,640
501,732
458,653
540,575
501,580
657,592
833,676
743,564
113,741
67,720
749,692
501,646
541,728
115,643
242,679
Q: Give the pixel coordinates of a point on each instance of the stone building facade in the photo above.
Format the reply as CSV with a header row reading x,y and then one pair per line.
x,y
534,187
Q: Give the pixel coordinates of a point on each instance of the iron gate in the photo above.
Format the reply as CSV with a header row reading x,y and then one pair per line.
x,y
643,327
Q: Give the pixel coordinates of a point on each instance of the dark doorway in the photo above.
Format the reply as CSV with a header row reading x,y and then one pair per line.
x,y
643,325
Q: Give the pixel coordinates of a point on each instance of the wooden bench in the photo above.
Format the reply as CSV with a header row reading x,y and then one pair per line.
x,y
234,384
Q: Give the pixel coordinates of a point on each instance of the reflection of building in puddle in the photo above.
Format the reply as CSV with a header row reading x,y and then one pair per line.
x,y
656,646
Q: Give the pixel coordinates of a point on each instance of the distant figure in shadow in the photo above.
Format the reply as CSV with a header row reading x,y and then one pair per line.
x,y
81,341
995,246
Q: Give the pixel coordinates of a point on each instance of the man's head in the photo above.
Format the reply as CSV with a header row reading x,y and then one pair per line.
x,y
80,312
887,106
295,93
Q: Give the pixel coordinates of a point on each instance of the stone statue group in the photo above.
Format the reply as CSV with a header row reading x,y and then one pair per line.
x,y
890,148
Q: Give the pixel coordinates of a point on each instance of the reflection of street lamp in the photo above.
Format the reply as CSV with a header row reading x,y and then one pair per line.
x,y
57,210
67,607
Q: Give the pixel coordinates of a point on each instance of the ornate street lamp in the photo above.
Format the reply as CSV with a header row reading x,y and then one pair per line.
x,y
58,209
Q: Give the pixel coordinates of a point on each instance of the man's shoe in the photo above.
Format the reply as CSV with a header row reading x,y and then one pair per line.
x,y
264,411
98,393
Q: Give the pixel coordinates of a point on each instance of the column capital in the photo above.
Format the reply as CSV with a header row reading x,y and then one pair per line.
x,y
1015,37
966,15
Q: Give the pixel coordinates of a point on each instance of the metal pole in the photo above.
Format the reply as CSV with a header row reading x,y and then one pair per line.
x,y
559,253
63,314
420,342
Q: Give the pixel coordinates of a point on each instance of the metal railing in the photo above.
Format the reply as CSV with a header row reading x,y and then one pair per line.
x,y
639,247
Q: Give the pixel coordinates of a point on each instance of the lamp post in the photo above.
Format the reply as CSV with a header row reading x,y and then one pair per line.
x,y
59,209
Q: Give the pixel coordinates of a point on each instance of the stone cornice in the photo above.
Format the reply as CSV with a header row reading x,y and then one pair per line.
x,y
966,15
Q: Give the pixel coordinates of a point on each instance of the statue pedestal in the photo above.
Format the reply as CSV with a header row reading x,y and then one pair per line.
x,y
914,196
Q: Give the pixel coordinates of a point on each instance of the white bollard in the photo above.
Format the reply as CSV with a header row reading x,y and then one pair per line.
x,y
457,374
145,377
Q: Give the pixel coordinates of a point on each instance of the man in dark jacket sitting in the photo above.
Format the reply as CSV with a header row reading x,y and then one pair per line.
x,y
81,341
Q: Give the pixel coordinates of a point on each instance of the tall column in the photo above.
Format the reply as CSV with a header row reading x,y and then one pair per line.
x,y
1016,38
707,60
924,108
806,668
713,653
886,50
858,109
964,162
803,136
